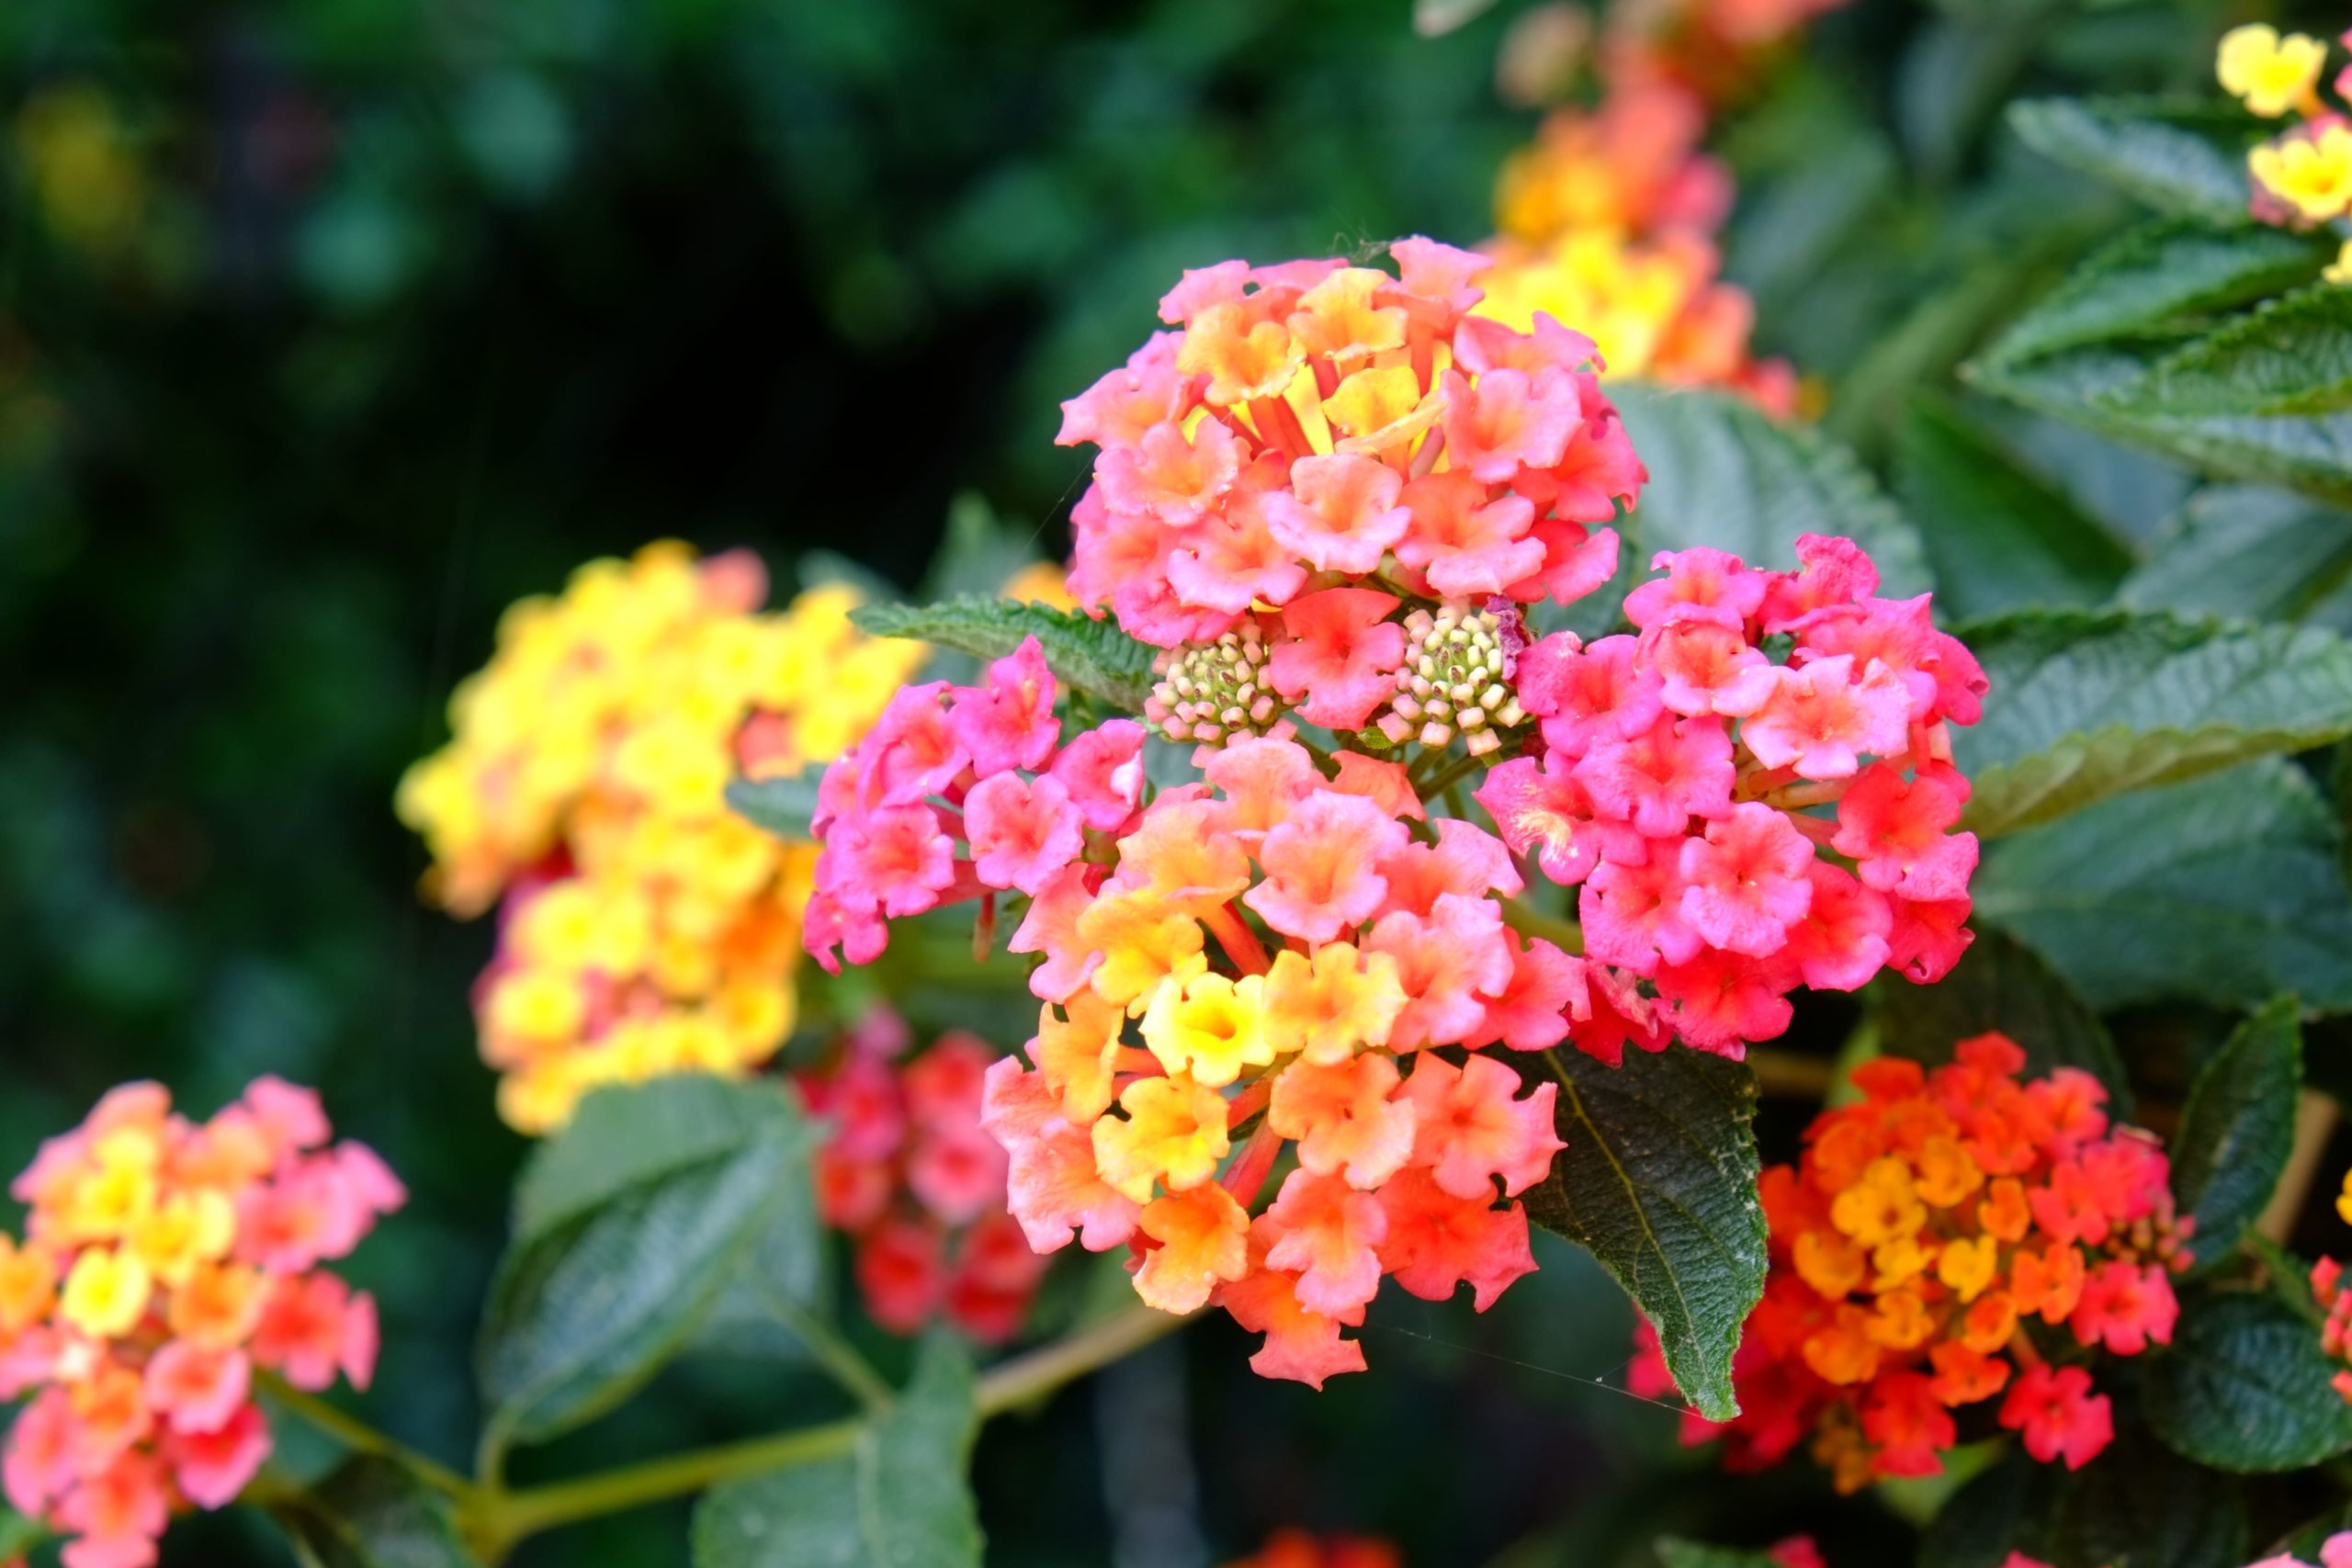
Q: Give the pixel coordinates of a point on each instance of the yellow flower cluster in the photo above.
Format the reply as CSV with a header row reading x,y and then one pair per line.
x,y
2304,175
646,929
1607,220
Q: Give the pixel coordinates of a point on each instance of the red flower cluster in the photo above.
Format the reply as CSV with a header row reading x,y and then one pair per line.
x,y
1923,1228
1313,424
2335,1333
1299,1549
916,1182
1681,773
1383,941
163,1262
962,792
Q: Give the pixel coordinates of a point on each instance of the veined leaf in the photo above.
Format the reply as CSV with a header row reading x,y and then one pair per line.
x,y
2245,1387
2000,986
628,1237
2152,278
2237,1128
2290,356
2085,706
1723,475
1658,1181
369,1514
2000,538
1089,656
2252,552
897,1499
2183,156
2229,890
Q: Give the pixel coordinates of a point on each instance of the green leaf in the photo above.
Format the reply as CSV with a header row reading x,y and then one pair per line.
x,y
18,1535
1658,1181
629,1226
627,1136
2304,1543
2136,1506
2289,356
2311,453
978,553
2000,538
2084,706
785,807
2237,1128
2149,279
1723,475
897,1499
2000,986
2184,156
2252,552
370,1513
2229,889
1089,656
2245,1387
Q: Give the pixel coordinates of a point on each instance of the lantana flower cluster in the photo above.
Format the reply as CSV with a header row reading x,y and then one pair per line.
x,y
1930,1233
645,927
910,1176
1314,436
2333,1299
2304,175
1686,776
1609,219
1382,937
164,1263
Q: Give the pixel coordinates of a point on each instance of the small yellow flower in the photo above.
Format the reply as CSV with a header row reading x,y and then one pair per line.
x,y
2272,73
107,1294
2340,271
2310,174
1213,1028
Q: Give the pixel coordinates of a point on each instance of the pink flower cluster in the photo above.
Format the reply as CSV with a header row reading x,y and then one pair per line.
x,y
1684,778
918,1185
1311,423
962,792
164,1263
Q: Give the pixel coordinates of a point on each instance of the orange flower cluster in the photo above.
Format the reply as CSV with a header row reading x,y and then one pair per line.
x,y
918,1184
1609,219
646,929
1925,1226
163,1264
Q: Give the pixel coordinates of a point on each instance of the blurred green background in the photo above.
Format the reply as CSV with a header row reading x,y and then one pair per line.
x,y
329,328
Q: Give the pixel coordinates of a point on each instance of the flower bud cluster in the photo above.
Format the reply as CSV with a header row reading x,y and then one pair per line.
x,y
913,1178
164,1263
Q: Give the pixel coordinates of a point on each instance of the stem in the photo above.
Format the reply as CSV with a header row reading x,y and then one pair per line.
x,y
836,1354
509,1519
522,1513
1462,767
2314,1123
360,1438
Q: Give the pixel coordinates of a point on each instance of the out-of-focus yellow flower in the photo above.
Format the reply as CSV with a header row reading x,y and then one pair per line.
x,y
2312,174
1042,583
2340,269
646,929
86,176
2272,73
